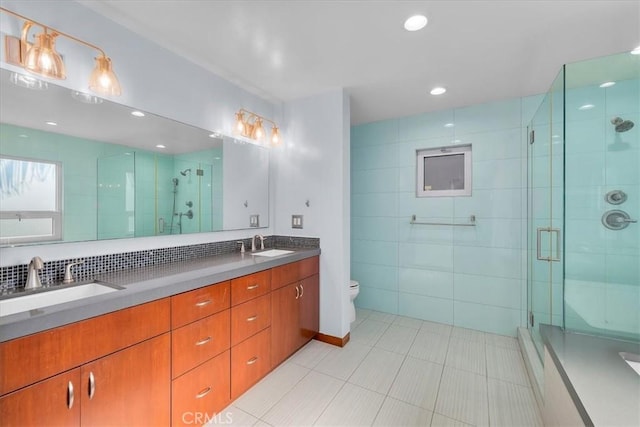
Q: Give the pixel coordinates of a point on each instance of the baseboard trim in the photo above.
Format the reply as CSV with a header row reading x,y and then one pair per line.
x,y
330,339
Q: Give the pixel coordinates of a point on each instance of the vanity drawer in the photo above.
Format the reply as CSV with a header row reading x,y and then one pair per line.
x,y
249,318
199,303
251,286
250,361
199,341
204,390
291,273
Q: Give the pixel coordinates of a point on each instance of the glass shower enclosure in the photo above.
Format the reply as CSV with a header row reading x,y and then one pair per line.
x,y
583,196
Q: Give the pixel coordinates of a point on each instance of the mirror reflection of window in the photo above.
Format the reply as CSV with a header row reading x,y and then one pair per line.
x,y
30,191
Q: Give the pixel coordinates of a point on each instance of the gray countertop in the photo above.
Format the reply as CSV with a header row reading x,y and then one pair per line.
x,y
144,285
605,389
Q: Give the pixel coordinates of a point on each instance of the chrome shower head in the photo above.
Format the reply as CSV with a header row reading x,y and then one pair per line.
x,y
185,172
621,125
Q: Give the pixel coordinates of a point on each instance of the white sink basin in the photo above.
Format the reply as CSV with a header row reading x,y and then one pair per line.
x,y
272,253
47,298
632,360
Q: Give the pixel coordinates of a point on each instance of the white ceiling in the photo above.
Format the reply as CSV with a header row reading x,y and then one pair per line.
x,y
479,50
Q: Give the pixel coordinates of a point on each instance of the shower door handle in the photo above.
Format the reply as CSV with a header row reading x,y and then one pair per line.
x,y
539,246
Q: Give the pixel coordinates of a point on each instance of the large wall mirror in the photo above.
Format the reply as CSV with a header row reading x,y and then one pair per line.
x,y
74,167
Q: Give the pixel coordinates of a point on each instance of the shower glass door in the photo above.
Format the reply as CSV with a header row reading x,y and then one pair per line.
x,y
545,213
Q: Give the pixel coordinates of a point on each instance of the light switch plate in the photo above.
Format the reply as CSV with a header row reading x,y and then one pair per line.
x,y
296,221
254,220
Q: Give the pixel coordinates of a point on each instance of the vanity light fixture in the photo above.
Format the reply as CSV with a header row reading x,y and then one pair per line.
x,y
41,57
252,127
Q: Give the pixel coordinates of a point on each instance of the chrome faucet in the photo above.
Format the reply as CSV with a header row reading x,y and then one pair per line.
x,y
68,276
33,280
253,242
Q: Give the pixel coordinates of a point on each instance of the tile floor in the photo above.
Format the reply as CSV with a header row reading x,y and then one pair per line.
x,y
395,371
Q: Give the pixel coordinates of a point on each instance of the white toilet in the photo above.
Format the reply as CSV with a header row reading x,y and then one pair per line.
x,y
354,290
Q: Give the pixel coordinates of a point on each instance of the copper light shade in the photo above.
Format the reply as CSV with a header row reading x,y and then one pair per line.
x,y
103,80
41,57
252,127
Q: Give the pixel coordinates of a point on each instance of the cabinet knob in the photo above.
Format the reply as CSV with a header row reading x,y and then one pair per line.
x,y
70,395
92,385
203,341
203,393
203,303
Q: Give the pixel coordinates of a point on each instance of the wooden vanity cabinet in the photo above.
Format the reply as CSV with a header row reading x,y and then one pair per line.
x,y
294,307
55,402
108,370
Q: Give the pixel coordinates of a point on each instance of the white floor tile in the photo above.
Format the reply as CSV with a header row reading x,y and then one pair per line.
x,y
417,383
397,339
342,362
382,317
512,405
233,416
442,421
378,370
507,365
467,334
368,332
262,396
501,341
430,346
396,413
362,313
305,402
261,423
466,355
311,354
408,322
436,328
463,396
352,406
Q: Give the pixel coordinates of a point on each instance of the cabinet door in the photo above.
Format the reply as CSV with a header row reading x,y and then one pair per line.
x,y
309,308
130,387
285,318
52,402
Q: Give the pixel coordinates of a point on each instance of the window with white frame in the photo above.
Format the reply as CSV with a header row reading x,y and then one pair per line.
x,y
444,171
30,200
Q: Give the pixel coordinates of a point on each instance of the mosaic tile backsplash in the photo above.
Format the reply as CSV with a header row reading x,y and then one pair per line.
x,y
14,277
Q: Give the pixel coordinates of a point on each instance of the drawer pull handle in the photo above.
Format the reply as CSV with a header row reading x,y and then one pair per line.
x,y
203,341
297,292
252,360
301,290
252,287
252,318
92,385
203,303
203,393
70,395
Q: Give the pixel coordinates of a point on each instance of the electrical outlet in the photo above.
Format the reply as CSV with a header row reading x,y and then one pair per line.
x,y
296,221
254,221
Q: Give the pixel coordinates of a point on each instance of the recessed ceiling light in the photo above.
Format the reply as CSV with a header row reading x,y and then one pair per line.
x,y
137,113
586,107
449,125
415,23
161,146
607,84
52,123
636,51
438,91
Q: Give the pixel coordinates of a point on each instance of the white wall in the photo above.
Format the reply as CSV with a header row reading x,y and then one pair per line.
x,y
153,79
313,164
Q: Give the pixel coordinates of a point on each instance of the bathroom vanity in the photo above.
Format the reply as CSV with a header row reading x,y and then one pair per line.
x,y
174,346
